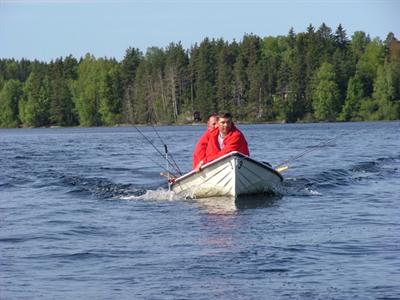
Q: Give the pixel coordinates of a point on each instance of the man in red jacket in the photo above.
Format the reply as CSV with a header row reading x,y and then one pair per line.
x,y
199,153
224,139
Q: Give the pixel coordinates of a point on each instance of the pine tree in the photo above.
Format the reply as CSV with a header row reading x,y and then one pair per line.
x,y
271,55
129,66
359,42
62,110
254,97
111,97
298,82
340,37
225,62
176,79
205,77
325,40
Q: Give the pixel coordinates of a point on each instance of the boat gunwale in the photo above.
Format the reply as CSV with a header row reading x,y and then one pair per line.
x,y
229,155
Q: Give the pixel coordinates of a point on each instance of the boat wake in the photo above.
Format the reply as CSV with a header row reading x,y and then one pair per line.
x,y
160,194
104,189
359,173
315,185
100,187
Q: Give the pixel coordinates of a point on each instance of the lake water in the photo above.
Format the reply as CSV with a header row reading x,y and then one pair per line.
x,y
85,214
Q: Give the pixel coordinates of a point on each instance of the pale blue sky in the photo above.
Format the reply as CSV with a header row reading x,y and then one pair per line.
x,y
46,30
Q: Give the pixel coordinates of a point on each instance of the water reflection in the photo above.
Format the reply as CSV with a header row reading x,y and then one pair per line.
x,y
230,205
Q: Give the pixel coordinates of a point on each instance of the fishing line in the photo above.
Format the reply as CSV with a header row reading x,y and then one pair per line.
x,y
158,151
313,148
166,151
158,164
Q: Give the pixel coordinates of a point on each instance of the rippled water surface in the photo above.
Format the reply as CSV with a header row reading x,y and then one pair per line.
x,y
85,214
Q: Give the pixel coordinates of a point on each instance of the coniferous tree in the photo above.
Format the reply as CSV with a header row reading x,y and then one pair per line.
x,y
251,52
240,86
150,102
205,78
284,99
140,101
111,97
176,79
298,82
359,42
159,109
129,66
224,87
312,62
62,110
340,38
325,40
316,74
271,56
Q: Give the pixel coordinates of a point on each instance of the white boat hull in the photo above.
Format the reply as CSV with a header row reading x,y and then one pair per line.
x,y
231,175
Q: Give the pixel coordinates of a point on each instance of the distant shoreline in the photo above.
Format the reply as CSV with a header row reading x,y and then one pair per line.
x,y
320,75
201,124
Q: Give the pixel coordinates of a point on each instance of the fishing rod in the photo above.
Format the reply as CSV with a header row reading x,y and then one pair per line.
x,y
168,172
166,150
158,151
283,165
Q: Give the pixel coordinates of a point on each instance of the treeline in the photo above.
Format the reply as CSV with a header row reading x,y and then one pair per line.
x,y
317,75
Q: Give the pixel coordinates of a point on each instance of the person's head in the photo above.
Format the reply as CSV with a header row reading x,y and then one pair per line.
x,y
224,123
212,121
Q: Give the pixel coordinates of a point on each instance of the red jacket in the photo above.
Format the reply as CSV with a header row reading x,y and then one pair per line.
x,y
233,141
200,149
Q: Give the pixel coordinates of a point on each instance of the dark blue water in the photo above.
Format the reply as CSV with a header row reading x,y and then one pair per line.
x,y
86,215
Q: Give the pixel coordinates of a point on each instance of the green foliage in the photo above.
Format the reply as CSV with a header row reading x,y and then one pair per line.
x,y
368,109
111,97
88,90
10,96
359,42
62,109
205,77
368,64
176,82
352,103
387,91
318,74
326,101
35,106
151,103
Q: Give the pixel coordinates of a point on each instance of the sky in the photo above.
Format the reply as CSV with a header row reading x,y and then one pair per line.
x,y
46,30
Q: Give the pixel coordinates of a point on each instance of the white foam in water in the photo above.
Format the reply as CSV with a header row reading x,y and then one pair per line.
x,y
292,191
159,194
312,192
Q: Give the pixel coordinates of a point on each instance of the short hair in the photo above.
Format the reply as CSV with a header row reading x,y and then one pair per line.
x,y
226,115
212,115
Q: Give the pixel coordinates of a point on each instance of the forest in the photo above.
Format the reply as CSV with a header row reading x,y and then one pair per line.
x,y
312,76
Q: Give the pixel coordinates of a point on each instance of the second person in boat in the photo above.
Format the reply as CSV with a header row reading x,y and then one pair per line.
x,y
224,139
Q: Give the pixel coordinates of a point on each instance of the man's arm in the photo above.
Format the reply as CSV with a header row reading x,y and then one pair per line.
x,y
199,153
